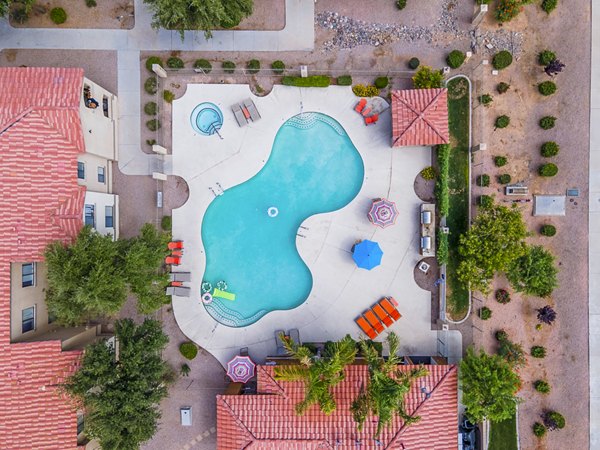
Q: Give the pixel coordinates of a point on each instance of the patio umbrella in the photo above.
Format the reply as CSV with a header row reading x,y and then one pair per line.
x,y
367,254
240,369
383,213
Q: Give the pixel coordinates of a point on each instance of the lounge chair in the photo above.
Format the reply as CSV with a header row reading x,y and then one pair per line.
x,y
365,327
251,107
389,308
375,323
239,115
295,335
383,316
178,291
366,112
173,260
178,253
360,105
176,283
175,245
180,276
279,342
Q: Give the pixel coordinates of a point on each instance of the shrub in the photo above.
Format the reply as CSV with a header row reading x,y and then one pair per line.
x,y
486,99
203,64
502,60
278,67
501,335
455,59
188,350
400,4
175,63
150,142
483,180
542,386
485,201
549,5
553,420
381,82
168,96
166,223
547,88
550,149
185,370
547,122
500,161
150,108
504,178
538,351
311,81
442,248
228,66
507,10
485,313
502,121
19,15
502,296
546,314
512,352
153,124
428,173
482,2
58,15
230,22
545,57
153,60
91,3
151,85
253,66
548,230
539,429
360,90
548,170
427,78
502,87
414,63
344,80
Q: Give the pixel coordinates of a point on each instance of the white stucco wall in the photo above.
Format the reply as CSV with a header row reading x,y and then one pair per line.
x,y
101,200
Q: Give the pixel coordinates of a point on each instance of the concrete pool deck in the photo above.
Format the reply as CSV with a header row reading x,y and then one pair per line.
x,y
340,291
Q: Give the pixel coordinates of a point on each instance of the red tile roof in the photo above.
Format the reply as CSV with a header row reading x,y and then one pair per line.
x,y
40,138
267,421
420,117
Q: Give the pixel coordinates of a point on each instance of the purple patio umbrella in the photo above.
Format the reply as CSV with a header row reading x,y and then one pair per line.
x,y
240,369
383,212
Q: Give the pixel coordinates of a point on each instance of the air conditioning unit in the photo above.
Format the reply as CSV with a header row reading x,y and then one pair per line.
x,y
445,327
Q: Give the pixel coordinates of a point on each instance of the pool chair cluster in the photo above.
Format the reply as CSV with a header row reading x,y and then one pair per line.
x,y
177,279
366,111
381,315
245,112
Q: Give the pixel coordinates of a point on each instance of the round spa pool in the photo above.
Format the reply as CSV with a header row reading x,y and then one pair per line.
x,y
206,119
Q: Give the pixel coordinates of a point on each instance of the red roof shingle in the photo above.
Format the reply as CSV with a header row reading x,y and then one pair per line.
x,y
420,117
40,138
267,421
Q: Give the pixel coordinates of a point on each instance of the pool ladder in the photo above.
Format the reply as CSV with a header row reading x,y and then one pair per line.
x,y
301,235
215,193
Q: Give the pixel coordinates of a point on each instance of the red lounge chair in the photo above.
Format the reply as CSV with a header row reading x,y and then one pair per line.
x,y
175,245
383,316
178,253
373,320
389,308
366,328
172,260
176,283
393,300
375,118
366,112
360,105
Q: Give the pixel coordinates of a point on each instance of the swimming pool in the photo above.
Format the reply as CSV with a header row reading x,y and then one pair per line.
x,y
249,232
206,119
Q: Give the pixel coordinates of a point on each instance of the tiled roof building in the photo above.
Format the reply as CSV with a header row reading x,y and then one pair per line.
x,y
267,421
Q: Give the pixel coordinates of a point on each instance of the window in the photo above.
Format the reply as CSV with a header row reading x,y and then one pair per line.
x,y
27,275
101,176
80,170
89,215
105,105
108,217
28,319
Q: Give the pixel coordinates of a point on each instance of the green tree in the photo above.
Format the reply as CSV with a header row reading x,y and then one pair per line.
x,y
492,243
427,78
534,273
5,6
120,390
387,388
319,374
489,387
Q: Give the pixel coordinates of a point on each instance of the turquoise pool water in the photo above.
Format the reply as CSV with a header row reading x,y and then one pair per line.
x,y
206,119
249,232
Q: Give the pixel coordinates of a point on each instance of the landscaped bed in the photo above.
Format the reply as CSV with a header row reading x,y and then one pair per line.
x,y
503,435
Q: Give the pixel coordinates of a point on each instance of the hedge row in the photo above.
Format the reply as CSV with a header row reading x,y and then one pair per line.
x,y
312,81
442,192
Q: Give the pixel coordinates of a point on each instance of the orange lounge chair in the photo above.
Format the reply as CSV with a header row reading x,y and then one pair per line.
x,y
173,260
178,253
383,316
393,300
360,105
389,308
176,283
373,320
365,327
367,111
175,245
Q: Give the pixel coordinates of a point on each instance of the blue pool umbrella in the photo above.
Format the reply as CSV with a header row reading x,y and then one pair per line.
x,y
367,254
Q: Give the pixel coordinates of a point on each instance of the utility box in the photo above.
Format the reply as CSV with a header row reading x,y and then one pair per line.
x,y
186,416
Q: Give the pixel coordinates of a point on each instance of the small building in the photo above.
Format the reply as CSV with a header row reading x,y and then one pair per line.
x,y
420,117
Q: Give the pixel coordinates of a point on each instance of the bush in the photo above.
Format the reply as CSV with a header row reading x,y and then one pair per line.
x,y
502,60
502,121
501,335
547,122
428,173
310,81
228,66
512,352
414,63
381,82
553,420
400,4
168,96
485,313
485,201
91,3
549,5
442,248
166,223
253,66
548,170
19,15
153,124
483,180
542,386
550,149
548,230
278,67
203,64
504,178
360,90
175,63
427,78
153,60
537,351
500,161
150,142
482,2
344,80
547,88
455,59
151,108
151,85
185,370
58,15
442,190
486,99
507,10
545,57
539,429
188,350
502,87
502,296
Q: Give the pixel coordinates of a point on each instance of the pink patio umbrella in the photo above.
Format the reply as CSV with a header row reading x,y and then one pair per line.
x,y
383,212
240,369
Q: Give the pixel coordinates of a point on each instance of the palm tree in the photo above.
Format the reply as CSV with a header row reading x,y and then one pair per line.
x,y
388,385
319,374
